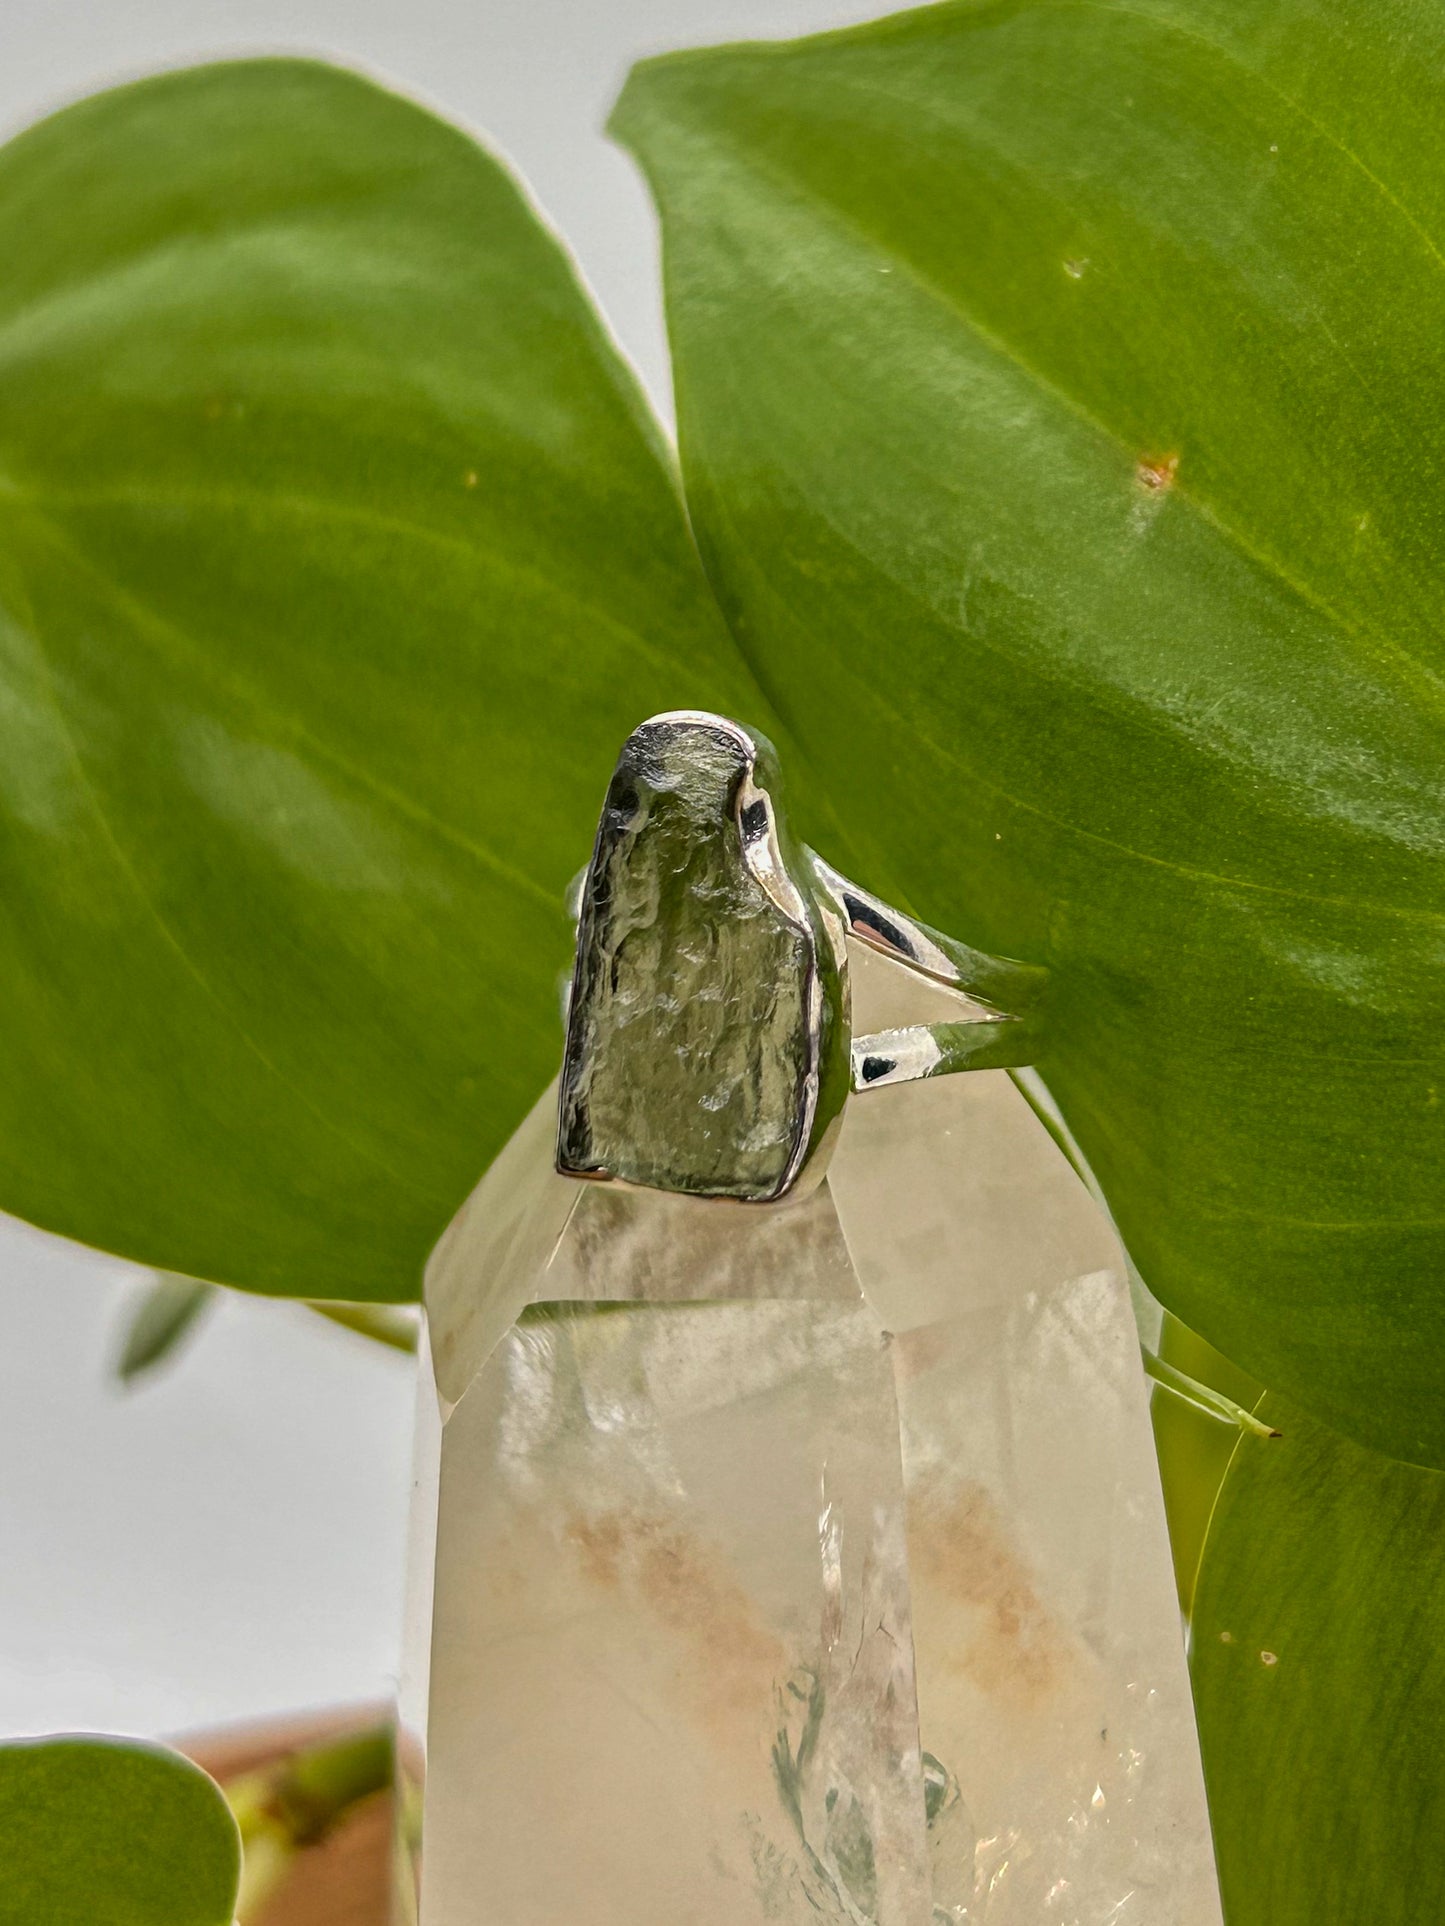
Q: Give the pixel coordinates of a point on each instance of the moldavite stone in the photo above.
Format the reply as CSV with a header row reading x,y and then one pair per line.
x,y
690,1035
801,1562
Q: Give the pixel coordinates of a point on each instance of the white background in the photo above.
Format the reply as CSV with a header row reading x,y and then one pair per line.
x,y
226,1540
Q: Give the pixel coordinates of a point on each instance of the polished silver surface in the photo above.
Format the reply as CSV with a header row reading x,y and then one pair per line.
x,y
709,1047
982,1042
1014,988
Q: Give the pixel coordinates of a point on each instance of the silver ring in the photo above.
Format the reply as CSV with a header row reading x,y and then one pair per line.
x,y
709,1048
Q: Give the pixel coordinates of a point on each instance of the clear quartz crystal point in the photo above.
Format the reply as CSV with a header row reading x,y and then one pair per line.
x,y
798,1562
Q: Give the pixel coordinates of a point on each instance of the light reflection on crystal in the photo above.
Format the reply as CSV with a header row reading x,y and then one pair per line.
x,y
805,1564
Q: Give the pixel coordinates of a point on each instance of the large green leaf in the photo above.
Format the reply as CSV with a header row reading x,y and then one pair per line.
x,y
337,555
1060,395
112,1833
1319,1675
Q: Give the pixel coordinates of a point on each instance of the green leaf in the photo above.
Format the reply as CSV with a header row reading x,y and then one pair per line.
x,y
113,1833
1319,1676
164,1316
1060,392
167,1312
337,555
382,1323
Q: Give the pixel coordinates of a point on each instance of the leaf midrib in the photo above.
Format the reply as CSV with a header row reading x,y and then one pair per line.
x,y
790,186
1165,24
150,618
172,941
486,555
916,726
291,725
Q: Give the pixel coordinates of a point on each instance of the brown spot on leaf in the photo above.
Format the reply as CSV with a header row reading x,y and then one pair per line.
x,y
1157,471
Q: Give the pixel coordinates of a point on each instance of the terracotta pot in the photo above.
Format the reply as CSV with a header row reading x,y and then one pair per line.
x,y
344,1879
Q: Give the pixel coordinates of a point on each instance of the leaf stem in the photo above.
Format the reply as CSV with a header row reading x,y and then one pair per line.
x,y
296,1801
1204,1397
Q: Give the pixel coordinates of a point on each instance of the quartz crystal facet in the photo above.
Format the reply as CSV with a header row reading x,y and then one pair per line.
x,y
800,1562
